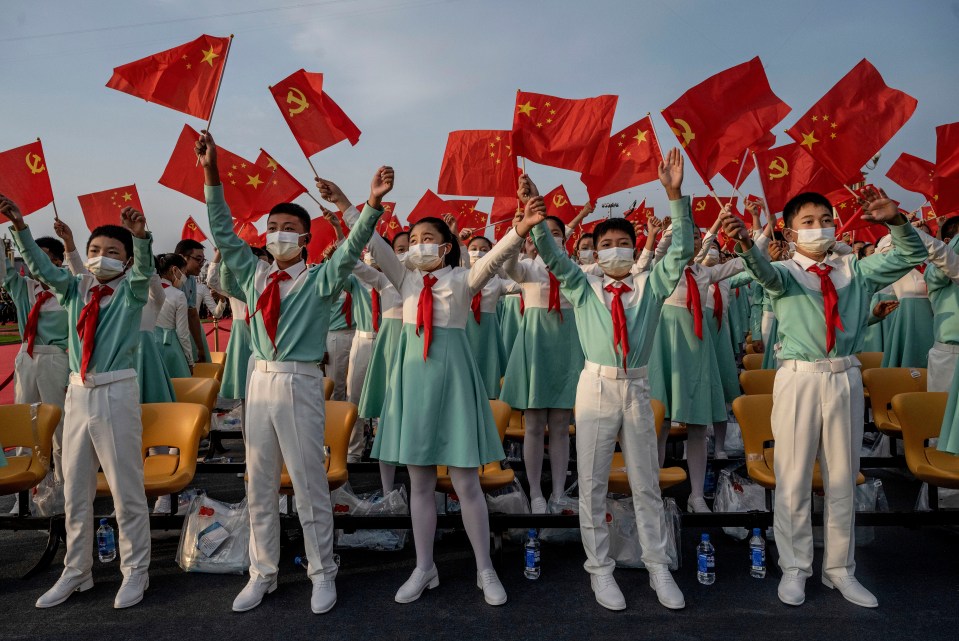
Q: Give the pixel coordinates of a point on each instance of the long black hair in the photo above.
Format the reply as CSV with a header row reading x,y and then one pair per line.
x,y
452,257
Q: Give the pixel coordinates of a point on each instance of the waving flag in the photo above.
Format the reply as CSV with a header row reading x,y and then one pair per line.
x,y
314,119
632,159
24,178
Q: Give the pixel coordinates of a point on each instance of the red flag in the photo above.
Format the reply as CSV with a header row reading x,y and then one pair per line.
x,y
632,159
315,120
478,163
430,205
468,217
389,224
571,134
322,235
706,209
184,78
503,212
103,207
947,169
559,205
280,186
24,178
242,180
852,121
720,117
737,175
248,234
913,174
192,231
928,216
788,171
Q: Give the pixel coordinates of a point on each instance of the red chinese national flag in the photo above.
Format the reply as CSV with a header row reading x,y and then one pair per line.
x,y
502,214
558,204
738,170
706,209
430,205
322,236
184,78
913,174
570,134
243,181
478,163
24,178
852,121
632,159
719,118
103,207
315,120
248,234
788,171
946,198
279,186
468,217
192,231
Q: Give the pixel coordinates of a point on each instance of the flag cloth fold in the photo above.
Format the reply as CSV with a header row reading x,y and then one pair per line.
x,y
478,163
24,177
632,159
314,119
788,171
103,207
913,174
192,231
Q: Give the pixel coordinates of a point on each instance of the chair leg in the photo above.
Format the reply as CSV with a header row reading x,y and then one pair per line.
x,y
933,497
174,503
769,500
23,503
497,547
56,533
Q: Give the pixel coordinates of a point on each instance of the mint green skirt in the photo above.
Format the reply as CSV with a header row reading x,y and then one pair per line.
x,y
378,372
237,364
171,352
545,363
907,341
436,411
725,360
874,334
509,322
152,375
487,346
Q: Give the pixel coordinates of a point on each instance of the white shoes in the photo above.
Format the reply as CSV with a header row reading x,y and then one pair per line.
x,y
493,590
416,584
792,589
721,456
324,597
852,590
668,593
162,505
697,504
539,506
131,590
63,589
252,595
607,591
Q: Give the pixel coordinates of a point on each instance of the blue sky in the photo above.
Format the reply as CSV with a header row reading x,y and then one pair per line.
x,y
410,71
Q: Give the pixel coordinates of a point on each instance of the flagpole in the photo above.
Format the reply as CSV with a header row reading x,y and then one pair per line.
x,y
499,222
315,175
216,96
53,201
740,174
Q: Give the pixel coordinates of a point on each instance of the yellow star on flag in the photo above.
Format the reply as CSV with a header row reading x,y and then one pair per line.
x,y
808,140
526,109
254,181
271,164
640,136
208,56
127,197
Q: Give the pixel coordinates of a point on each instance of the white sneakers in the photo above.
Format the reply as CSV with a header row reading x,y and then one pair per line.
x,y
539,506
607,591
668,593
493,590
416,584
852,590
792,589
324,597
162,505
63,589
131,590
696,504
252,595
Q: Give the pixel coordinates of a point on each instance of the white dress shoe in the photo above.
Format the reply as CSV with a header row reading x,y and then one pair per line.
x,y
416,584
792,589
721,456
607,591
162,505
852,590
538,506
324,596
252,595
131,590
668,593
493,590
63,589
697,504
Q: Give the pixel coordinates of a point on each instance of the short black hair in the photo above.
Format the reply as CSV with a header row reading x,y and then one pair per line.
x,y
618,224
166,262
187,245
452,257
261,252
798,202
949,228
116,232
396,237
862,250
483,238
53,246
292,209
560,223
585,235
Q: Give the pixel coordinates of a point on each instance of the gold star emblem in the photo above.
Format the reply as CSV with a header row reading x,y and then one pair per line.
x,y
832,135
640,136
243,165
549,120
230,173
629,153
539,124
271,164
834,125
547,104
235,167
254,181
208,56
808,140
498,138
127,197
526,109
620,144
232,182
815,118
825,118
552,112
498,161
189,66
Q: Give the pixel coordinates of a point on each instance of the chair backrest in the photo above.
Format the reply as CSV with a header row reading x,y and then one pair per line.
x,y
177,425
754,413
870,360
340,418
218,357
752,362
501,416
659,415
16,429
202,391
758,381
328,386
208,370
920,416
885,382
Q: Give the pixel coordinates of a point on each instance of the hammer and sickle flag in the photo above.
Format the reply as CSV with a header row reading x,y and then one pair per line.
x,y
558,204
192,231
314,119
788,171
24,178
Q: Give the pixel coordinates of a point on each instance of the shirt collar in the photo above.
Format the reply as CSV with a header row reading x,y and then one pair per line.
x,y
805,262
294,270
608,280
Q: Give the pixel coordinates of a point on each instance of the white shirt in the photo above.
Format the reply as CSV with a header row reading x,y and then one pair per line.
x,y
173,315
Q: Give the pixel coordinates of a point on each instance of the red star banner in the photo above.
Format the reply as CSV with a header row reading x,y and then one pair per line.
x,y
852,122
913,174
280,186
570,134
716,120
430,205
503,212
192,231
185,78
24,178
467,216
103,207
788,171
632,159
946,199
314,119
478,163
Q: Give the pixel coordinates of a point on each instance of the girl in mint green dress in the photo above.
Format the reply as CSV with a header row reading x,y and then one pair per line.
x,y
172,333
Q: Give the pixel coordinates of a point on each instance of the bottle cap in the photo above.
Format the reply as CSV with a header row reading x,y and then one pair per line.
x,y
756,531
104,521
705,537
298,560
532,533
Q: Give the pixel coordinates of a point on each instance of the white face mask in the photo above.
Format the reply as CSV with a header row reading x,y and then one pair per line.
x,y
403,257
615,260
586,257
284,245
816,241
559,242
424,256
712,257
476,254
105,268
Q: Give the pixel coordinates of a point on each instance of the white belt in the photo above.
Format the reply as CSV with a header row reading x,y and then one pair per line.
x,y
43,349
946,347
362,334
104,378
833,365
346,330
607,371
290,367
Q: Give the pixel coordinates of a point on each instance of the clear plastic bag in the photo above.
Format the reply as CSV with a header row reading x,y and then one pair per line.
x,y
395,503
870,497
735,493
510,500
568,504
624,545
227,417
48,497
948,499
215,537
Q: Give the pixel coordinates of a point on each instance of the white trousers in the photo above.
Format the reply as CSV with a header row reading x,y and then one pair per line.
x,y
816,414
942,366
608,408
359,362
44,379
285,414
103,429
338,344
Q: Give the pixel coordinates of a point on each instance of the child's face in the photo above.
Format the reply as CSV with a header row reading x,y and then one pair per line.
x,y
812,216
426,234
585,245
108,248
614,238
478,244
401,245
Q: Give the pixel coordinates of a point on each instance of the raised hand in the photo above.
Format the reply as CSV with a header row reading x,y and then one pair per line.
x,y
450,221
653,226
527,189
10,211
63,231
671,173
884,308
465,234
331,193
877,206
135,221
381,185
205,150
734,228
779,250
533,214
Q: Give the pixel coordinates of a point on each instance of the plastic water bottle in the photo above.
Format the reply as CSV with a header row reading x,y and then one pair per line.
x,y
706,561
303,563
532,570
757,555
709,483
106,542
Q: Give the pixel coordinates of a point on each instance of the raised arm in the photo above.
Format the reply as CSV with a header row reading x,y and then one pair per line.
x,y
490,264
756,262
58,279
907,251
370,276
14,283
943,256
143,267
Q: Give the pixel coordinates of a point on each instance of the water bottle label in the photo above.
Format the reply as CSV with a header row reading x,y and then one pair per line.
x,y
531,560
703,563
758,558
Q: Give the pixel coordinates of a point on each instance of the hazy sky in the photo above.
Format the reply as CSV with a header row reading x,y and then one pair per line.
x,y
410,71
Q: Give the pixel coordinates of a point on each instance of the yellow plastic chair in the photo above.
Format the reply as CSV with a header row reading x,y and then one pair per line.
x,y
208,370
23,473
920,417
668,476
340,417
870,360
757,381
178,425
884,383
517,425
752,362
328,386
201,391
492,475
218,358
